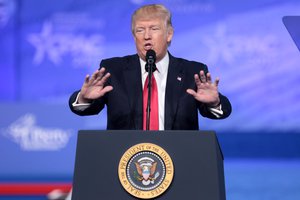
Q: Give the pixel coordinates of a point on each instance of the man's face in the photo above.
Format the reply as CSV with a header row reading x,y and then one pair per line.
x,y
152,34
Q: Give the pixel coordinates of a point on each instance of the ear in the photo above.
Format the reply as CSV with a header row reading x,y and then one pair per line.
x,y
170,34
134,37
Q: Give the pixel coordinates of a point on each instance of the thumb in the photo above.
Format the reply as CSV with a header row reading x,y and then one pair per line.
x,y
106,89
191,92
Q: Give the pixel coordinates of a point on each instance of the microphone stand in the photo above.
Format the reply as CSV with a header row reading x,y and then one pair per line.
x,y
150,66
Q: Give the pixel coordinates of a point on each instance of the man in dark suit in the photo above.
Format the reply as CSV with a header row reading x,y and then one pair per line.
x,y
184,87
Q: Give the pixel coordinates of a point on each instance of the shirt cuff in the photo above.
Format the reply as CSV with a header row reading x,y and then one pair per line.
x,y
218,112
80,106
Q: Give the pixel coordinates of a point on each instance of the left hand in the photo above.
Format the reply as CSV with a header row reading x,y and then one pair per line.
x,y
207,91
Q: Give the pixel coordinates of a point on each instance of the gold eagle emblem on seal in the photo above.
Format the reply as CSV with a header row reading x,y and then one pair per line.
x,y
146,170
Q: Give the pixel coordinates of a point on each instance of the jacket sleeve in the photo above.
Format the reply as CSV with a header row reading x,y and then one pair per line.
x,y
226,108
95,107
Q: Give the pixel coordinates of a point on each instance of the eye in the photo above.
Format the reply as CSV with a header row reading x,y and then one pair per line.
x,y
139,30
155,28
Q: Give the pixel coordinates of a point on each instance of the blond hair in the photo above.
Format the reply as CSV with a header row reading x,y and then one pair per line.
x,y
152,11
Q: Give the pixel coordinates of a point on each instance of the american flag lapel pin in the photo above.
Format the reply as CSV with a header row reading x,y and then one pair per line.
x,y
178,78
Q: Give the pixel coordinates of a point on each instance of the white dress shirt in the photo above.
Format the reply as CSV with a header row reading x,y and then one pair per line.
x,y
161,79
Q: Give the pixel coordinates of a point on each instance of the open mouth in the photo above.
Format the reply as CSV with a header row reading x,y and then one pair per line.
x,y
148,46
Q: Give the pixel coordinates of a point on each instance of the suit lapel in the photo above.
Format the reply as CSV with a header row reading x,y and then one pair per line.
x,y
173,90
133,84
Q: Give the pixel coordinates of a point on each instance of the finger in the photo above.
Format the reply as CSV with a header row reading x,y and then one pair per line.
x,y
105,78
86,79
202,76
217,81
197,80
96,81
100,75
191,92
101,72
107,89
208,77
94,76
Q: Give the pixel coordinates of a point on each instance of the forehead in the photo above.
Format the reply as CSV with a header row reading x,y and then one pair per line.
x,y
148,21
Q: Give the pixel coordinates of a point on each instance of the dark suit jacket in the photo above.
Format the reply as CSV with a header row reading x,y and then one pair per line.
x,y
125,102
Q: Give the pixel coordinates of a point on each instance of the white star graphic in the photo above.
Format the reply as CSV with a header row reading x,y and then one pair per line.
x,y
46,44
220,45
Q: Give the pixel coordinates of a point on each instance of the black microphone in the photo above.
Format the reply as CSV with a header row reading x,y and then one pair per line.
x,y
150,60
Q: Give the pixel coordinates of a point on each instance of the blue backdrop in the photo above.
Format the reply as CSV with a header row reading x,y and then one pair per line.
x,y
47,48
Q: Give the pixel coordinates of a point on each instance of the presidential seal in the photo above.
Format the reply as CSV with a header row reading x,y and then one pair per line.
x,y
146,170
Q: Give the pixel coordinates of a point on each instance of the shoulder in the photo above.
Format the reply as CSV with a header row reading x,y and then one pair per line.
x,y
189,65
118,60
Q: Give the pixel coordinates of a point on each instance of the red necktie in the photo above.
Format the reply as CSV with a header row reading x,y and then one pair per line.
x,y
154,105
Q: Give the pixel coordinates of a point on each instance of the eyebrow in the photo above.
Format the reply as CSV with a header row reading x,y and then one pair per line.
x,y
151,26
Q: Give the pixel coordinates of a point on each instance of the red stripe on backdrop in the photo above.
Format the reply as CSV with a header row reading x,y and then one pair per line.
x,y
32,188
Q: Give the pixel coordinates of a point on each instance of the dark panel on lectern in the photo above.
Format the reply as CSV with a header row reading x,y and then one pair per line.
x,y
198,164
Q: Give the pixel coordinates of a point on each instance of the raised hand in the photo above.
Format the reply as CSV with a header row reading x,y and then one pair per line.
x,y
94,87
207,91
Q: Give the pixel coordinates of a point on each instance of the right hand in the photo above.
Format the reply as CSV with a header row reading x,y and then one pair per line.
x,y
94,88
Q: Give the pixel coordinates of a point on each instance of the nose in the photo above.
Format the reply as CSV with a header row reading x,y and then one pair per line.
x,y
147,34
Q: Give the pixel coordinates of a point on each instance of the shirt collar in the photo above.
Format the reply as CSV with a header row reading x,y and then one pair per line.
x,y
162,65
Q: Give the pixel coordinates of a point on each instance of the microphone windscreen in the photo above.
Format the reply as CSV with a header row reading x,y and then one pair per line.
x,y
151,56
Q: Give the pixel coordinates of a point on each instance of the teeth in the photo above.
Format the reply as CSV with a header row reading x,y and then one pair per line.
x,y
148,46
